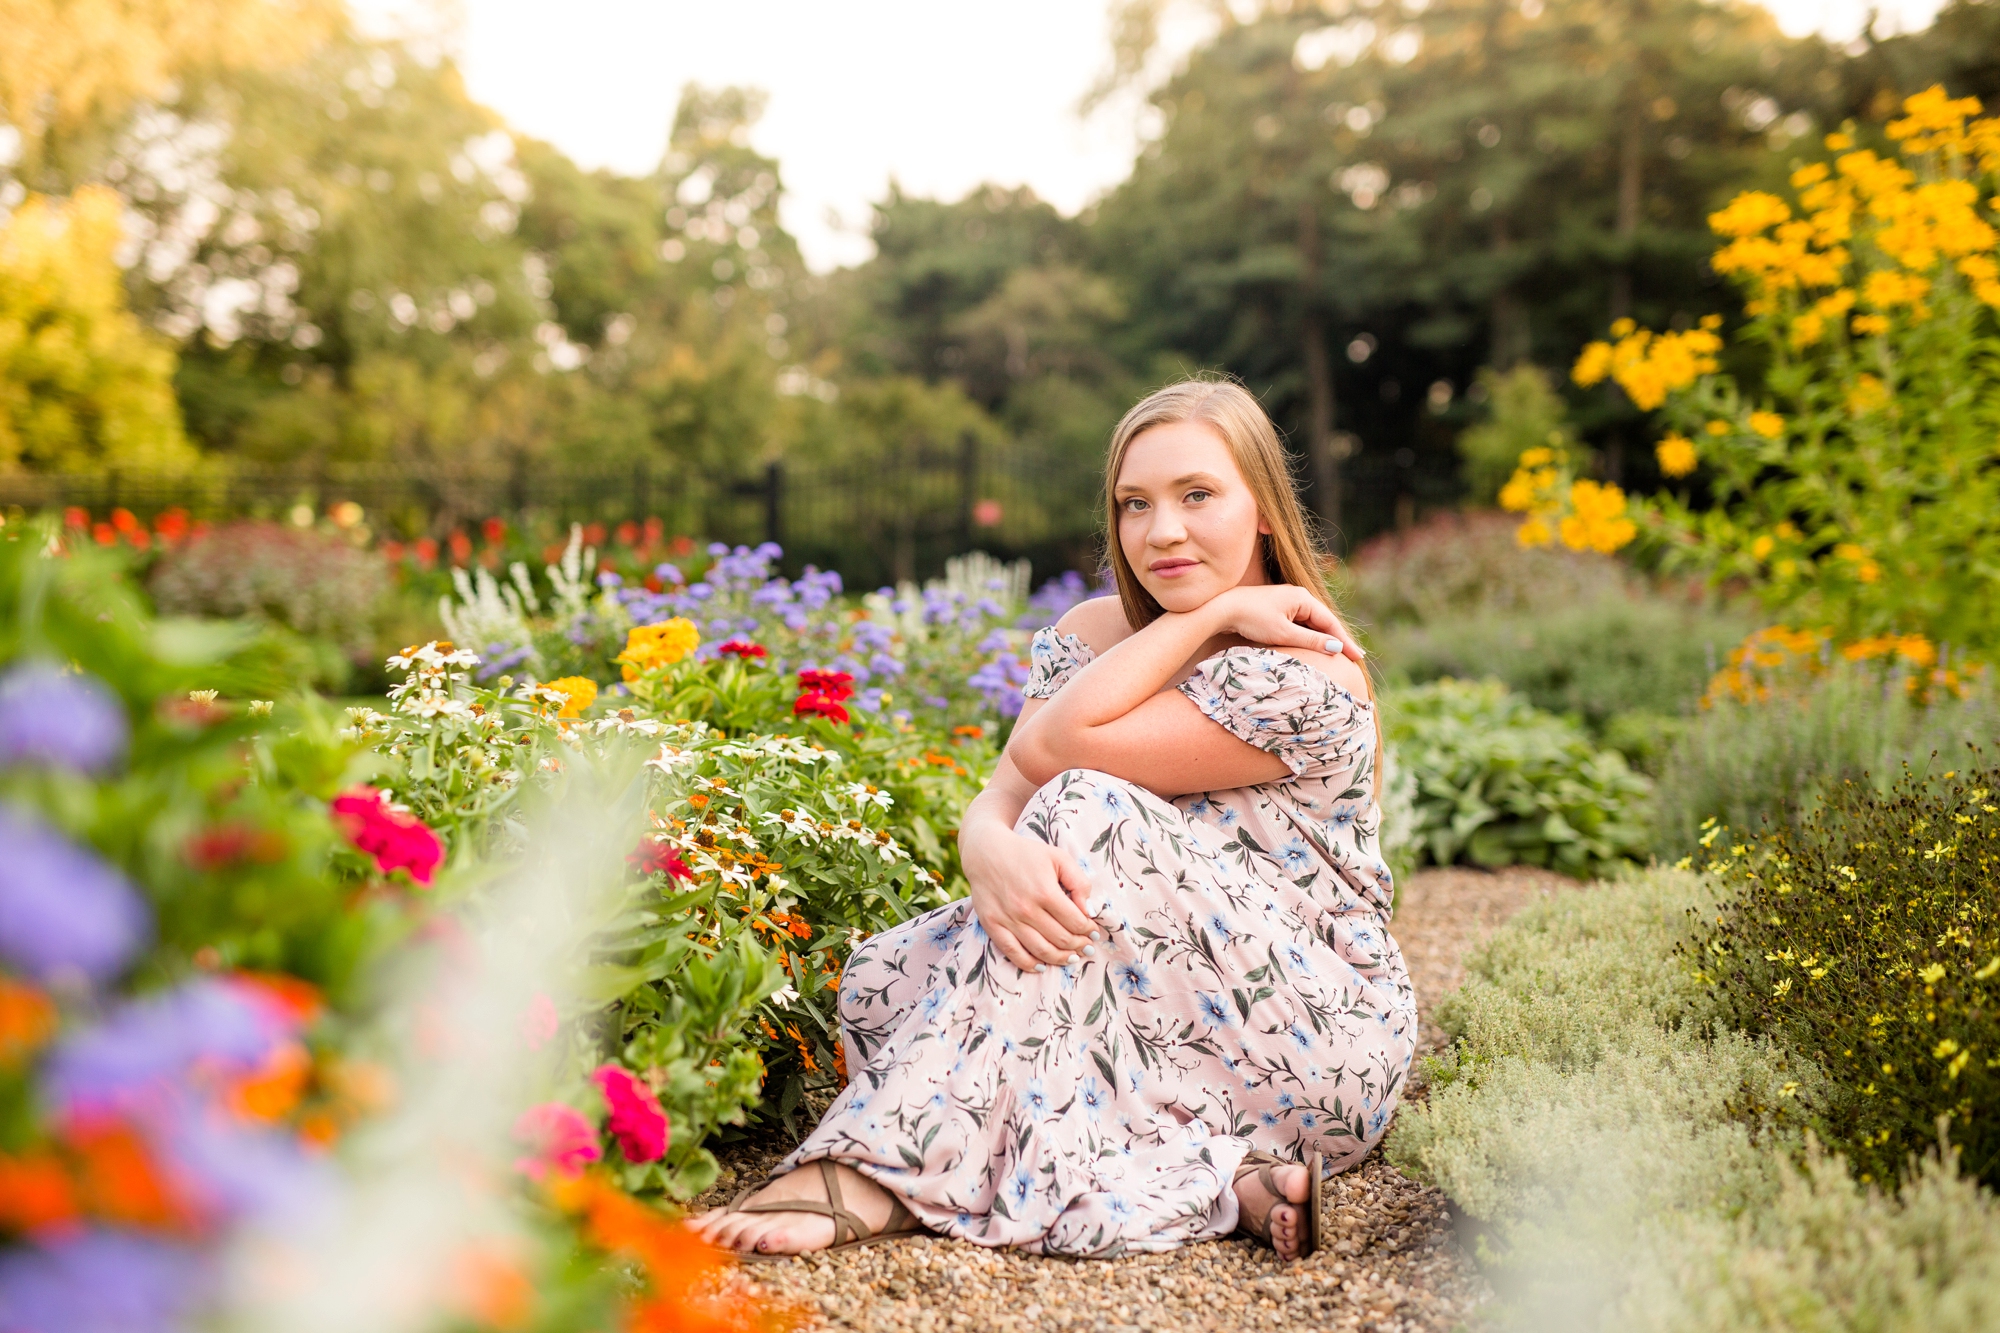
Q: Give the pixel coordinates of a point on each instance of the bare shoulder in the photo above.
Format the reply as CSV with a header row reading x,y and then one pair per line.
x,y
1343,671
1099,622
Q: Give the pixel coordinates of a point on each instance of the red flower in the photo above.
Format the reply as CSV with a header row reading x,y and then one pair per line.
x,y
835,685
820,705
558,1139
744,648
226,845
656,858
637,1122
397,841
494,530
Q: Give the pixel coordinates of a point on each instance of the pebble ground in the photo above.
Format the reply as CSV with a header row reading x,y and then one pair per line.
x,y
1393,1264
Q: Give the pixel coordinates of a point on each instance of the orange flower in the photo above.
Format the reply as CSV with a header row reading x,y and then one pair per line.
x,y
27,1019
491,1289
271,1091
36,1194
119,1181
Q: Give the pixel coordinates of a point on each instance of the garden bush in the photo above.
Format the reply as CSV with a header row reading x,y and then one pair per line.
x,y
1498,782
1765,764
1460,564
317,584
1591,1121
1868,940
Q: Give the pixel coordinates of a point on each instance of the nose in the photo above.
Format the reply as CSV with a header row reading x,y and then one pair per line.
x,y
1166,529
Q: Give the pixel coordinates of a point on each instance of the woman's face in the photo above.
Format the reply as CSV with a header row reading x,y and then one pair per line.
x,y
1187,522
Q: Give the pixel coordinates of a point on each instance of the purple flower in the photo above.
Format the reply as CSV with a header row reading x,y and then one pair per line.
x,y
62,910
135,1057
668,574
50,716
101,1282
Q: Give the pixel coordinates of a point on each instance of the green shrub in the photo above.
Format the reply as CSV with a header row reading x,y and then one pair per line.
x,y
1618,652
315,584
1499,782
1463,564
1590,1122
1526,412
1766,765
1869,940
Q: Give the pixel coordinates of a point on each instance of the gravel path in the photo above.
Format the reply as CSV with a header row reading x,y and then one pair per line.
x,y
1393,1266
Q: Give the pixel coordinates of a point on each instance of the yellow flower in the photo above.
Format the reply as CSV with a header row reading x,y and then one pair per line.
x,y
1761,548
1533,532
1749,213
1838,143
1537,457
1885,290
578,693
1677,455
1867,394
1717,428
1768,424
1867,325
651,646
1518,495
1593,365
1597,520
1934,122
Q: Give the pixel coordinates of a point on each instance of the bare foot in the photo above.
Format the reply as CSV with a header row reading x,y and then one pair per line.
x,y
795,1233
1286,1217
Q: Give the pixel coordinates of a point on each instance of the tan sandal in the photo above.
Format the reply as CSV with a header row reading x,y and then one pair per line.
x,y
1263,1165
849,1230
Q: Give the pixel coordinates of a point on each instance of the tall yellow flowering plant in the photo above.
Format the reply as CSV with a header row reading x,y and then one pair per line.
x,y
1858,488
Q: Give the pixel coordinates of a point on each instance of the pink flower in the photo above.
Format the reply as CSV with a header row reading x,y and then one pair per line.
x,y
559,1138
397,841
656,858
820,705
540,1021
835,685
637,1122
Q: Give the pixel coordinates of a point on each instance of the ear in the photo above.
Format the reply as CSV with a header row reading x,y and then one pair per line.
x,y
1263,528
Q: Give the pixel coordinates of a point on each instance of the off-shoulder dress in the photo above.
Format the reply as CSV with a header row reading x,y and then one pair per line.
x,y
1248,996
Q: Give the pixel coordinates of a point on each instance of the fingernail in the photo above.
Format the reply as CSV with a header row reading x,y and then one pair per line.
x,y
1041,967
1096,935
1333,647
1071,962
1090,950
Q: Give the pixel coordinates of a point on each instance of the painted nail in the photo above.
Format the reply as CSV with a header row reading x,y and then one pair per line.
x,y
1096,935
1333,647
1071,962
1041,967
1090,950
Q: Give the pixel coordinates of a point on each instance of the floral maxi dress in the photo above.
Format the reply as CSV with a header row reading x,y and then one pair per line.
x,y
1248,996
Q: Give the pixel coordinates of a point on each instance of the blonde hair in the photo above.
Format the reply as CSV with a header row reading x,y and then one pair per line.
x,y
1292,552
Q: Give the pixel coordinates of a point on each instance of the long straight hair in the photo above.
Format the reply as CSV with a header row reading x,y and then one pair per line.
x,y
1291,551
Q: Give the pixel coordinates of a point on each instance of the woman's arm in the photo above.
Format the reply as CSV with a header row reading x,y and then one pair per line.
x,y
1031,898
1117,716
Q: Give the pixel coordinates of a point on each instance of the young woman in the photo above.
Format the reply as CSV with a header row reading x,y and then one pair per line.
x,y
1172,992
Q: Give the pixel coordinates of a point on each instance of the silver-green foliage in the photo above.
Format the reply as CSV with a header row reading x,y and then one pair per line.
x,y
1498,781
1590,1122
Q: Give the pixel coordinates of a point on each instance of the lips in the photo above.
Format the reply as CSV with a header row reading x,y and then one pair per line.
x,y
1172,567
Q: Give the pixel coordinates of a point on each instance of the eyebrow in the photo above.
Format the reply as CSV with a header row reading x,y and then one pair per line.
x,y
1207,478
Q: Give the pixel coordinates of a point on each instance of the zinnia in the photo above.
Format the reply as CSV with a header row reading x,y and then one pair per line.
x,y
578,693
397,841
820,705
637,1122
559,1138
744,648
651,646
656,858
835,685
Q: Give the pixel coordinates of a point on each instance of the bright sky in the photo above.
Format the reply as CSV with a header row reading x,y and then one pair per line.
x,y
941,95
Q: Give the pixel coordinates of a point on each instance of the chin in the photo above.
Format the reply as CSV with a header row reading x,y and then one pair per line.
x,y
1181,596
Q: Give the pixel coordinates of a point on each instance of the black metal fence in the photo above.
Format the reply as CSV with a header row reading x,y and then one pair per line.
x,y
896,516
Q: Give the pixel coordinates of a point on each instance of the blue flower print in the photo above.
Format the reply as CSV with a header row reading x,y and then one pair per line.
x,y
1219,927
1300,1037
933,1004
1135,1078
945,931
1200,807
1020,1187
1296,959
1308,1120
1228,817
1377,1119
1094,1096
1134,980
1285,1101
1270,1121
1216,1010
1118,1206
1036,1100
1295,856
1341,820
1113,801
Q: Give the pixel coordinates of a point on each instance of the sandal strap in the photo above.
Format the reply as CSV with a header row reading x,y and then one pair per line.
x,y
846,1225
1263,1165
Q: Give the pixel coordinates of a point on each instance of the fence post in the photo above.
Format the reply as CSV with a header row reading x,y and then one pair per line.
x,y
774,486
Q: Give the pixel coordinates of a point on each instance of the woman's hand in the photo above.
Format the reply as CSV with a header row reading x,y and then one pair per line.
x,y
1282,615
1030,898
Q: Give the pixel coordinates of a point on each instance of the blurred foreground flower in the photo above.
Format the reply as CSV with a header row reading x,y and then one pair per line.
x,y
650,646
558,1138
64,914
67,720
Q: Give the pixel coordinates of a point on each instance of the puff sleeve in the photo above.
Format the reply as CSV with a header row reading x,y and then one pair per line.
x,y
1053,657
1282,706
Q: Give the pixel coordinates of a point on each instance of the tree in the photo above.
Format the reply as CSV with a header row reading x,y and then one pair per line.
x,y
82,384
